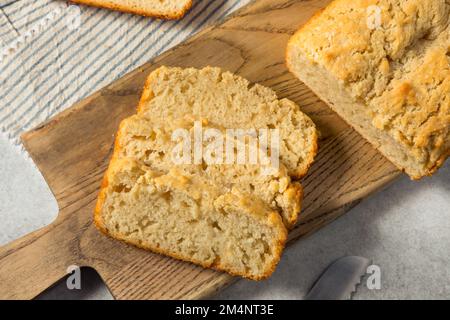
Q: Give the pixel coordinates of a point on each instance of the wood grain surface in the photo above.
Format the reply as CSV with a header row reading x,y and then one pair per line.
x,y
73,148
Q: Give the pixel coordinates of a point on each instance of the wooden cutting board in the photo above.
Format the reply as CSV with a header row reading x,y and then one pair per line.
x,y
73,148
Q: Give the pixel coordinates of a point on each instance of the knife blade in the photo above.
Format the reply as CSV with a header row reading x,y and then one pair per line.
x,y
340,279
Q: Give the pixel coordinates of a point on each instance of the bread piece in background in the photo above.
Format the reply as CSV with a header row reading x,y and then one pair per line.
x,y
164,9
383,66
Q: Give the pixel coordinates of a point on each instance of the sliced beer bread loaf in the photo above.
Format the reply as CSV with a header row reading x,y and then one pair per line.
x,y
165,9
384,66
229,216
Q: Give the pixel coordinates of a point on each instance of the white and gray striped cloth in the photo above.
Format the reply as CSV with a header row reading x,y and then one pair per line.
x,y
53,53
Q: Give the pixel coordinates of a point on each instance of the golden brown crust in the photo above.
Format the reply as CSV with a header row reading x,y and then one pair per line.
x,y
102,193
145,13
147,93
312,155
98,221
434,168
293,218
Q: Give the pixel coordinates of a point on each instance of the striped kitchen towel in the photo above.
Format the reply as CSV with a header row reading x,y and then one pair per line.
x,y
53,53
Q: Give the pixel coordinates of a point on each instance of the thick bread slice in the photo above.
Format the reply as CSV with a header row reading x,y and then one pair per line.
x,y
189,219
140,139
164,9
390,81
231,101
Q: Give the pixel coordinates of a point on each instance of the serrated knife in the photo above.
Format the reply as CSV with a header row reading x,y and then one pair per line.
x,y
340,279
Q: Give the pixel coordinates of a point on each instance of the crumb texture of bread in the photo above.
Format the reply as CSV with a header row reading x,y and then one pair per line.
x,y
387,75
164,9
231,217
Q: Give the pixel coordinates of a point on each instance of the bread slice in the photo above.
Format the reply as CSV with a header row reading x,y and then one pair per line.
x,y
232,217
164,9
230,101
390,81
190,219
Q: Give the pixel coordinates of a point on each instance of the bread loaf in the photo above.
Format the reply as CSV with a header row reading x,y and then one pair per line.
x,y
384,66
